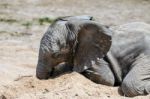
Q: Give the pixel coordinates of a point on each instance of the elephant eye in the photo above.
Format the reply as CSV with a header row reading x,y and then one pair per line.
x,y
56,55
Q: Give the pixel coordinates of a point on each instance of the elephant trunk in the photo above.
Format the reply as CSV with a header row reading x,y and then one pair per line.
x,y
115,67
41,71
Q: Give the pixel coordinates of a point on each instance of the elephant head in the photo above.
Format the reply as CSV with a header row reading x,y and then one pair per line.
x,y
92,41
75,40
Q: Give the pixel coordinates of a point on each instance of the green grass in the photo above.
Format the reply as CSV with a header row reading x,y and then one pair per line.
x,y
27,24
4,5
19,34
44,20
8,20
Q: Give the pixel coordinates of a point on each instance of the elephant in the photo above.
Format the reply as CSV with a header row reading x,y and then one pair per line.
x,y
70,44
117,56
128,58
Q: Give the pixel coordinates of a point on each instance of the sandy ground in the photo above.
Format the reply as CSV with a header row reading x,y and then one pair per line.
x,y
20,34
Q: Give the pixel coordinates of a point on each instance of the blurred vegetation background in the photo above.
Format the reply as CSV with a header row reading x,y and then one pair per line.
x,y
26,17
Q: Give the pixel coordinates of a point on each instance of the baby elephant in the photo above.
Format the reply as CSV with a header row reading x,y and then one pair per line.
x,y
72,43
80,44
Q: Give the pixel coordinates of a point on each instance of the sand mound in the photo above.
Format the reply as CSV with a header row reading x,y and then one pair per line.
x,y
18,81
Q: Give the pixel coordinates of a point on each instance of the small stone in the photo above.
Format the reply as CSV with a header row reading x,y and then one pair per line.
x,y
108,96
76,94
45,91
2,97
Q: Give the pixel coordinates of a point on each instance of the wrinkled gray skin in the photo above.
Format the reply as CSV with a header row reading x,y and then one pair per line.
x,y
129,58
73,43
131,49
80,44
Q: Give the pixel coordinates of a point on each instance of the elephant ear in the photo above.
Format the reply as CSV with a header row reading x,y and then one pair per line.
x,y
91,41
89,32
96,35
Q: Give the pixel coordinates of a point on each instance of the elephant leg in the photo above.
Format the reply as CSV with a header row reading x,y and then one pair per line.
x,y
42,72
137,81
100,73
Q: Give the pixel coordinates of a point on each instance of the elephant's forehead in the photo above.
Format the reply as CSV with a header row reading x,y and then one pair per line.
x,y
60,37
81,17
60,22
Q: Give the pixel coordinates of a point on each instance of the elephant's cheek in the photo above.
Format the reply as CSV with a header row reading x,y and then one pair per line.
x,y
53,62
63,56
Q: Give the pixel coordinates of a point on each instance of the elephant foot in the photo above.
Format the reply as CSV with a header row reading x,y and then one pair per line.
x,y
100,74
132,88
98,78
137,81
